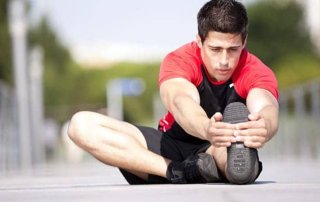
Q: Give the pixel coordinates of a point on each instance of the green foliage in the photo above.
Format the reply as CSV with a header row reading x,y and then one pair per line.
x,y
277,30
278,35
297,68
58,69
56,55
5,46
82,86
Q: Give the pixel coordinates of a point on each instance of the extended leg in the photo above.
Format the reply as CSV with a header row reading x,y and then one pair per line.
x,y
243,165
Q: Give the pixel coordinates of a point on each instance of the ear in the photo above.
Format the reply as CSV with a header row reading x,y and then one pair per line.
x,y
245,41
199,42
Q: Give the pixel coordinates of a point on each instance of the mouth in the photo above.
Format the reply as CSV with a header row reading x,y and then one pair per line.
x,y
223,71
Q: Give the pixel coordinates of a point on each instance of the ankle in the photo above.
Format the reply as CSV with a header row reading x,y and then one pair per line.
x,y
175,173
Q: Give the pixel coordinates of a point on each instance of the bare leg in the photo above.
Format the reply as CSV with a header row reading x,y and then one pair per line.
x,y
219,154
220,157
116,143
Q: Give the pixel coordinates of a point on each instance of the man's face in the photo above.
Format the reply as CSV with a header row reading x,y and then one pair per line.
x,y
220,53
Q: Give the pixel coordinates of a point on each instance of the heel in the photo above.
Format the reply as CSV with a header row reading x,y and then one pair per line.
x,y
242,163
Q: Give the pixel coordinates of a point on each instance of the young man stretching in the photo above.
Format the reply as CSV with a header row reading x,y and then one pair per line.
x,y
222,106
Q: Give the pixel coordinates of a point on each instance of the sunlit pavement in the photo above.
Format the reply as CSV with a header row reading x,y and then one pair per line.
x,y
281,180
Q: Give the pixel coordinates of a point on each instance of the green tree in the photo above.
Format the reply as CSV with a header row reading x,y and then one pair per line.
x,y
56,55
5,47
57,63
277,30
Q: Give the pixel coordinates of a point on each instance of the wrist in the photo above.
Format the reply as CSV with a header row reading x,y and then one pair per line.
x,y
205,128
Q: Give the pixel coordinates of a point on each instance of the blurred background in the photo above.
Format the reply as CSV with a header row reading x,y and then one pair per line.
x,y
59,57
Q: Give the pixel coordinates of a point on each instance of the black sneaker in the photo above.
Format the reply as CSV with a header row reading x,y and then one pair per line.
x,y
199,168
242,162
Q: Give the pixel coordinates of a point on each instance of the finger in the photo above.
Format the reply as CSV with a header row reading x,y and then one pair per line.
x,y
222,144
254,117
257,139
222,125
254,142
255,145
261,132
217,117
223,141
222,132
251,124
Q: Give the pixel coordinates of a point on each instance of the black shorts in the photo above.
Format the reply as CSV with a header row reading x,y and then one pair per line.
x,y
167,146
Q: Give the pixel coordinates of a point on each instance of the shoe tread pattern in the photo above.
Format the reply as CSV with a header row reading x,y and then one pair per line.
x,y
241,160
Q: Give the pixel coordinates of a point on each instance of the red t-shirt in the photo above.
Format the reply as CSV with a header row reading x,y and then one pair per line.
x,y
186,62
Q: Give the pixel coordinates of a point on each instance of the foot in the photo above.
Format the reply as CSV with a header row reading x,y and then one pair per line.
x,y
199,168
242,162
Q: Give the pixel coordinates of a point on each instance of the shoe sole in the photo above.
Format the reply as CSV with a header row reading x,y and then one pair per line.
x,y
242,163
241,160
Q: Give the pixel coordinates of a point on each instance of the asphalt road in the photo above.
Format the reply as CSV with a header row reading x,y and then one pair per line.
x,y
281,180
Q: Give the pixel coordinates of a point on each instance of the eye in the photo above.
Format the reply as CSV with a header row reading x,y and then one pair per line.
x,y
233,49
215,50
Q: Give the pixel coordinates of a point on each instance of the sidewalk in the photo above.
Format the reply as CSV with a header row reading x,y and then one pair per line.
x,y
92,181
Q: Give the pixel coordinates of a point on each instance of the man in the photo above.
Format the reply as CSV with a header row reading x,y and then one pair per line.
x,y
222,106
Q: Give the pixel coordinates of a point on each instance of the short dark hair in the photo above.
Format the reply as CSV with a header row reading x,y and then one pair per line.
x,y
226,16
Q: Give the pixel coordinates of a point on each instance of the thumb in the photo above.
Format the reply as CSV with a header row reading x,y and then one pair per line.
x,y
217,116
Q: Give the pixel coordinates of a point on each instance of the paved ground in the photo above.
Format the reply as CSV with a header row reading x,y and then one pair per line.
x,y
92,181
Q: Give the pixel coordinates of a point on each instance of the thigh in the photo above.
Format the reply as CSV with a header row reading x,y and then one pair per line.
x,y
85,123
152,138
180,149
121,127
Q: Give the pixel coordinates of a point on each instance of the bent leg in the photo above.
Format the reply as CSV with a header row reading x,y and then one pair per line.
x,y
220,156
116,143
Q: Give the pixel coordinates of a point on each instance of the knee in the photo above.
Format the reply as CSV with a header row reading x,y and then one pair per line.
x,y
78,128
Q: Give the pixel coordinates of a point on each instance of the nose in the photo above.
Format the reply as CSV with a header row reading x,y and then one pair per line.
x,y
224,61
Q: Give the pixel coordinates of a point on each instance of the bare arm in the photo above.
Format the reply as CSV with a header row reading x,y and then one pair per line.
x,y
182,99
263,123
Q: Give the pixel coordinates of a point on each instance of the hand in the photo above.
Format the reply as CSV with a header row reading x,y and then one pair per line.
x,y
220,134
253,133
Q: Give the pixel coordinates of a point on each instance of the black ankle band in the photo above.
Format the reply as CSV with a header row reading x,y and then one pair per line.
x,y
175,173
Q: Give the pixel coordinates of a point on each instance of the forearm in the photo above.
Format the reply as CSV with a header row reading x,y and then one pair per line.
x,y
270,113
266,105
182,99
190,116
